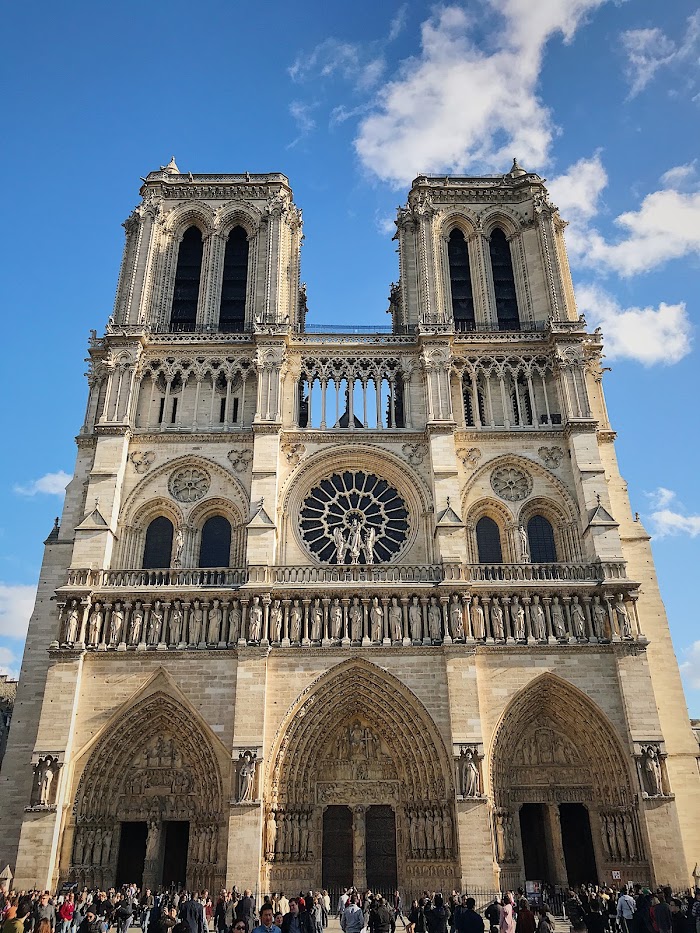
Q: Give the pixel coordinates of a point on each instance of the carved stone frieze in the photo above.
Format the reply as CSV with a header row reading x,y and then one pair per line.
x,y
357,792
142,460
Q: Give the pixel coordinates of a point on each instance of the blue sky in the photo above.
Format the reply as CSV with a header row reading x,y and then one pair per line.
x,y
351,101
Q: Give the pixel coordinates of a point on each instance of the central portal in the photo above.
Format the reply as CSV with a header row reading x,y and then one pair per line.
x,y
381,850
177,840
337,847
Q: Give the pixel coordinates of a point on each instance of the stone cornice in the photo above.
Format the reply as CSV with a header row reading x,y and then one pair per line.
x,y
183,436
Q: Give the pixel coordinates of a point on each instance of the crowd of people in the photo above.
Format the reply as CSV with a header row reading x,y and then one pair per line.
x,y
587,909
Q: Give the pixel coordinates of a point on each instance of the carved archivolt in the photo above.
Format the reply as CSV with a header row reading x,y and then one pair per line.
x,y
359,697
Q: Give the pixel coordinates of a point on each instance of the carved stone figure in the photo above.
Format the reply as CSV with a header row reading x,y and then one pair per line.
x,y
276,621
501,845
46,776
578,619
196,623
295,618
599,615
447,832
136,625
214,627
152,841
456,618
538,620
155,623
270,835
179,545
651,771
429,834
246,776
355,620
304,837
357,741
497,621
478,621
175,624
623,619
116,624
234,623
355,542
316,621
336,619
629,837
558,623
395,620
471,782
415,620
342,745
73,622
368,544
376,618
517,613
524,545
255,620
95,624
341,545
434,620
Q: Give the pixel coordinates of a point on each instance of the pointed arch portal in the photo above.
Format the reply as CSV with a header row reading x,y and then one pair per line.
x,y
563,806
360,765
149,807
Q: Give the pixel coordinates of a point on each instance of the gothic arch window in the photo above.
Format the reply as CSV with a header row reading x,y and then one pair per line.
x,y
215,543
469,406
183,317
460,281
235,282
159,544
540,535
488,541
503,281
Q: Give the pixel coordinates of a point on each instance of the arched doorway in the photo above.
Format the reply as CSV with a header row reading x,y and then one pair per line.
x,y
560,778
360,786
148,807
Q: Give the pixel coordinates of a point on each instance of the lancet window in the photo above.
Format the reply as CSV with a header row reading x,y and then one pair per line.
x,y
183,317
234,283
488,540
215,543
460,281
503,281
159,544
540,536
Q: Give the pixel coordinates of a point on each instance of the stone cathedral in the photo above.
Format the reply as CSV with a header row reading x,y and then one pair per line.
x,y
333,606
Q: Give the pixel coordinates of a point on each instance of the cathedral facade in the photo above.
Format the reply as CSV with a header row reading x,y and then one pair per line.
x,y
332,608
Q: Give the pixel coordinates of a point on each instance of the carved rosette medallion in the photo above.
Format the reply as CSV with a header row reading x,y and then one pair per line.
x,y
511,483
354,514
189,484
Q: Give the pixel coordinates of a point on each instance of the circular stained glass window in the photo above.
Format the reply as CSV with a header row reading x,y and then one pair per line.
x,y
354,517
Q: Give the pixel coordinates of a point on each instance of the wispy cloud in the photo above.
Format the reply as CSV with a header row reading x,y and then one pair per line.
x,y
301,113
16,605
398,23
670,517
360,64
52,484
650,50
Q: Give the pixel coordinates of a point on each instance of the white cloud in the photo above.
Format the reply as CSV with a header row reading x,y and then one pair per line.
x,y
647,335
9,663
360,64
577,192
16,605
52,484
671,521
680,175
661,497
690,668
386,224
649,50
398,23
301,113
466,102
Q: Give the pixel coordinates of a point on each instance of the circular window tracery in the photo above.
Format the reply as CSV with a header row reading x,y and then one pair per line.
x,y
354,517
511,483
189,484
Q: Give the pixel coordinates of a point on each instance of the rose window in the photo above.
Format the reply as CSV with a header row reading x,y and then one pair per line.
x,y
511,483
189,484
354,518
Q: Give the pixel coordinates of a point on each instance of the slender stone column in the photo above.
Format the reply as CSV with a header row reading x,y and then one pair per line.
x,y
555,846
359,851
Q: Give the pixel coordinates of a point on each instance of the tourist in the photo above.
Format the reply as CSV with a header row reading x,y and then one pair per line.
x,y
147,905
91,922
398,909
352,919
66,913
678,920
660,914
467,920
297,921
192,915
626,908
283,904
493,915
245,910
22,911
267,924
438,916
507,921
545,920
381,919
44,910
525,922
326,906
168,919
594,918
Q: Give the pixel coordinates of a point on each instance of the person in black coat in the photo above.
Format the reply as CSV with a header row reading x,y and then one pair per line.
x,y
438,916
192,914
245,910
467,920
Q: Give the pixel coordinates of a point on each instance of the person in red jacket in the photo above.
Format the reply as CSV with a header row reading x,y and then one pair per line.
x,y
66,912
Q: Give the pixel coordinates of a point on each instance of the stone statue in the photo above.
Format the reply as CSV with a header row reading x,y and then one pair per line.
x,y
623,619
376,618
336,619
276,621
246,776
270,835
175,624
629,837
155,623
95,625
434,620
651,771
447,832
355,620
437,832
234,623
73,622
422,840
368,544
152,841
214,628
342,747
429,836
558,623
456,618
179,545
599,615
497,621
295,618
116,624
341,545
395,620
501,845
304,837
578,619
355,542
538,620
524,545
136,625
478,621
106,847
296,836
255,620
46,777
413,832
517,613
471,782
316,621
415,620
196,623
